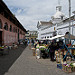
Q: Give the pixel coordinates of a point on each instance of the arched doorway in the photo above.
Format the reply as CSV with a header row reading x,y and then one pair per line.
x,y
0,33
0,24
18,35
6,26
67,40
0,38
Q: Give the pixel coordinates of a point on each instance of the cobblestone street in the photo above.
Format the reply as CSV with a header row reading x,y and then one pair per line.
x,y
27,64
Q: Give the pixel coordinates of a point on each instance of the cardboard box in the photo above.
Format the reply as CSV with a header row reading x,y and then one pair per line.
x,y
69,69
33,50
73,69
63,67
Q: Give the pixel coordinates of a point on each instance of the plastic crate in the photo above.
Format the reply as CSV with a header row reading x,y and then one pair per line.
x,y
59,66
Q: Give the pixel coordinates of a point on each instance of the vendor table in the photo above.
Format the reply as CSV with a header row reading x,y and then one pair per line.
x,y
2,51
70,48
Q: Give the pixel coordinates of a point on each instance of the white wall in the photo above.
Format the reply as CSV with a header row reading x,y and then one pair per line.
x,y
61,29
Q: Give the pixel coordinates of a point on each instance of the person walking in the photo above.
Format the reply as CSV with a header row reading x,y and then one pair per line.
x,y
28,42
32,42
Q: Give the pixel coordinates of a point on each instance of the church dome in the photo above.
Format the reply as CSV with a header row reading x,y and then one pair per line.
x,y
58,14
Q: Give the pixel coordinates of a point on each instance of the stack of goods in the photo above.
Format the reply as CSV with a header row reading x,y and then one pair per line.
x,y
33,49
68,67
10,47
38,54
15,46
1,50
59,56
37,47
41,51
73,51
59,59
4,49
42,48
29,45
1,47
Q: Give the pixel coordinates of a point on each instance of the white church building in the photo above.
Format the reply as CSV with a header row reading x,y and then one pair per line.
x,y
58,25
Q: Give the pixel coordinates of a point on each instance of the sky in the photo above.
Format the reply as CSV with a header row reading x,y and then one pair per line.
x,y
29,12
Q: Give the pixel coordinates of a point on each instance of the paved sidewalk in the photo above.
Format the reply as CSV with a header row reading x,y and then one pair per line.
x,y
27,64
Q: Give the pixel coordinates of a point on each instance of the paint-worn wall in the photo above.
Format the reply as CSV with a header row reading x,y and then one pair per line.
x,y
9,37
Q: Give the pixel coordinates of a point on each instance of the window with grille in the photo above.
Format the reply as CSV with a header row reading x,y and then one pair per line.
x,y
0,24
10,28
6,26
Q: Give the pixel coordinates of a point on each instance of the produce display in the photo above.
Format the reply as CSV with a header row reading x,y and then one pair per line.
x,y
43,49
2,47
68,67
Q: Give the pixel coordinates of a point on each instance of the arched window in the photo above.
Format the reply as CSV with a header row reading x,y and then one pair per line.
x,y
13,29
6,26
54,33
20,32
67,40
10,28
16,29
0,24
61,17
45,36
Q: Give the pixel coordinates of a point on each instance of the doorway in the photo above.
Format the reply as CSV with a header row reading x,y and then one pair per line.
x,y
0,37
18,35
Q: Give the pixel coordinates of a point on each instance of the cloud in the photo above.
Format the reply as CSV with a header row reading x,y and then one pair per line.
x,y
29,12
19,11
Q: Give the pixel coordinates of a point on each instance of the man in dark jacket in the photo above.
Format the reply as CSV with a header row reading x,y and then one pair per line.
x,y
52,48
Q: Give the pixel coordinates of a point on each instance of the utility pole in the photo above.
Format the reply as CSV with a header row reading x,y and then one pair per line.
x,y
69,18
58,2
69,14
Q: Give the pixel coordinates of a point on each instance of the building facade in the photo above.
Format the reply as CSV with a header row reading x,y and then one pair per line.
x,y
58,25
31,35
46,30
10,28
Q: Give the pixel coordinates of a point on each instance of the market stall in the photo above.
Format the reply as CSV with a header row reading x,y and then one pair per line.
x,y
70,47
41,50
69,64
4,50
